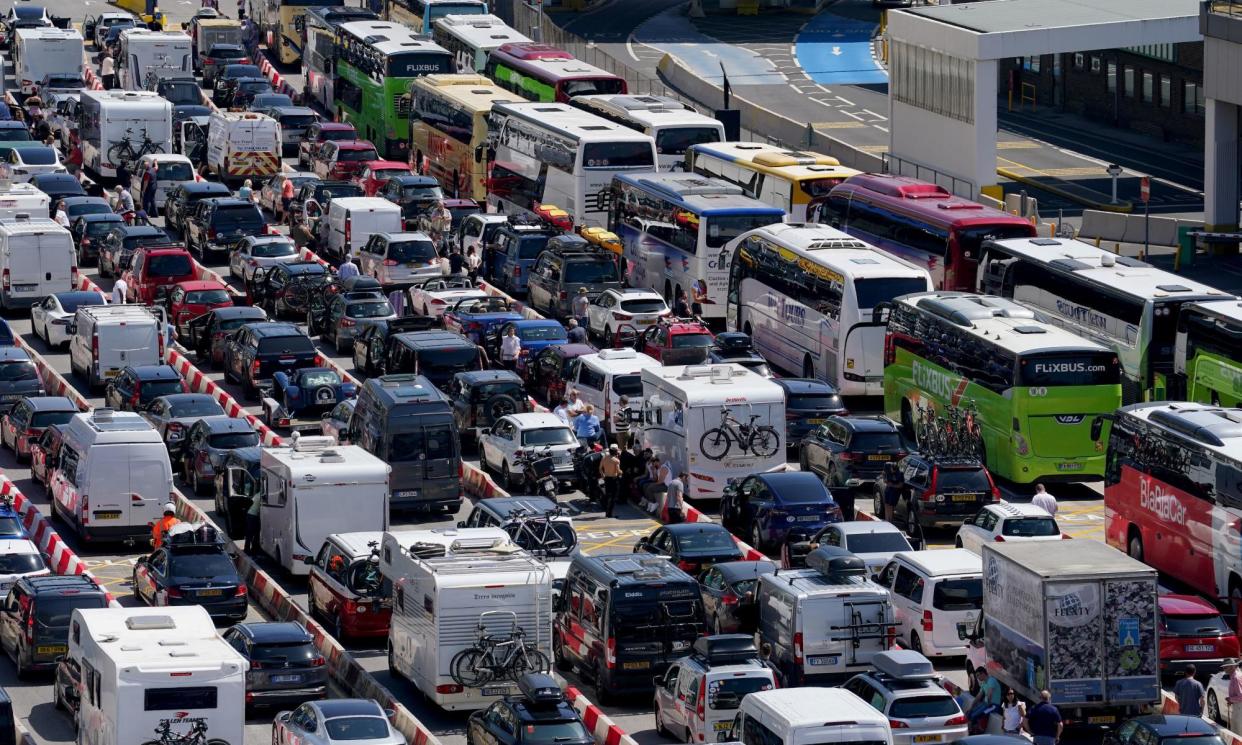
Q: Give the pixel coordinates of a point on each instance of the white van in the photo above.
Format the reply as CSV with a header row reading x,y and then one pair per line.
x,y
243,144
146,56
108,119
809,716
107,338
305,486
22,198
352,220
170,170
937,598
601,380
682,404
112,475
45,51
37,258
446,593
156,675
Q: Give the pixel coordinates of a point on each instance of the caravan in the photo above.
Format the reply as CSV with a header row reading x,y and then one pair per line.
x,y
685,407
304,487
22,198
146,56
453,587
46,51
158,675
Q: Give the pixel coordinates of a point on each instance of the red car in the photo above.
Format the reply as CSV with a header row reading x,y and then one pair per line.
x,y
189,300
376,173
342,161
1193,632
157,266
319,133
344,592
675,342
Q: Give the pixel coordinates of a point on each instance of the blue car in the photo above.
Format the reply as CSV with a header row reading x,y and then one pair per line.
x,y
808,402
11,526
535,335
308,392
473,318
518,245
768,509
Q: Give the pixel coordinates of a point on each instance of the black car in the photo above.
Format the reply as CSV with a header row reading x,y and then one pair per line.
x,y
729,590
237,93
134,388
121,241
1158,729
179,204
481,397
183,111
808,403
255,351
207,445
222,89
57,186
232,502
206,333
285,666
852,450
693,547
287,289
192,567
538,715
76,207
173,414
179,90
218,222
88,233
34,624
220,56
371,345
938,491
19,377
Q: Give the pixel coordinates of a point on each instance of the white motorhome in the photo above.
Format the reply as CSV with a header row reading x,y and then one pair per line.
x,y
450,586
45,51
156,675
107,120
112,476
683,404
37,258
146,56
312,489
243,144
107,338
22,198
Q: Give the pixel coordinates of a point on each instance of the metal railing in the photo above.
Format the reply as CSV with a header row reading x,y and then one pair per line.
x,y
899,166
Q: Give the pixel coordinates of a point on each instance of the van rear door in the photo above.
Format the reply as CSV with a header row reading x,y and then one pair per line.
x,y
25,266
150,481
55,263
131,342
109,486
839,632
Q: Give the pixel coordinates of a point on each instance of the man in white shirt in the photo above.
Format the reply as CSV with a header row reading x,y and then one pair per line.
x,y
118,291
510,349
107,72
347,269
1044,500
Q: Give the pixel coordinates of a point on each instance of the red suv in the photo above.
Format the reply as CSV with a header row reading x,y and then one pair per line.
x,y
157,266
342,161
674,341
1192,632
345,590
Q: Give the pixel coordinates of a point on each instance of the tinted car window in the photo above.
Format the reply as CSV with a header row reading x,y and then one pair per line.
x,y
1030,527
239,216
293,653
875,441
169,265
285,344
200,564
20,563
958,594
916,707
48,418
591,272
16,371
231,440
55,610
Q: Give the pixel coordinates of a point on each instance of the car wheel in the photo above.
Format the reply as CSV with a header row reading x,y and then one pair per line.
x,y
660,729
958,542
1213,708
558,655
916,644
877,504
756,538
56,702
511,483
602,694
23,670
1135,547
198,486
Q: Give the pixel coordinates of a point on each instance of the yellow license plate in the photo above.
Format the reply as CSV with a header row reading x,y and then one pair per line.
x,y
877,457
111,373
51,649
110,515
723,726
927,738
1101,720
635,665
647,322
209,593
965,497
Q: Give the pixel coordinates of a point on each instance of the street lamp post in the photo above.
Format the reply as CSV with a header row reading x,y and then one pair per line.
x,y
1114,170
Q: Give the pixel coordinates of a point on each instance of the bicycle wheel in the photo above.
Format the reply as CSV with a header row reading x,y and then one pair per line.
x,y
715,443
764,441
531,661
467,668
121,152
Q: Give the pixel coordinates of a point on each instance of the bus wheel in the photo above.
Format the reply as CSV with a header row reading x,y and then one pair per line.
x,y
808,367
1135,545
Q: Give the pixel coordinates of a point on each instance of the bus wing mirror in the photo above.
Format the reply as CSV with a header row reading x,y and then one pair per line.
x,y
478,154
1097,427
879,314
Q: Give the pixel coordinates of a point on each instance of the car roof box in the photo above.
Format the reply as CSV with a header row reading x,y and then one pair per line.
x,y
904,664
540,689
189,534
726,649
733,341
835,562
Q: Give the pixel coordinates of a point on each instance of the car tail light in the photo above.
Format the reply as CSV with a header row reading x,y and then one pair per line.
x,y
241,591
891,641
999,539
318,661
928,621
897,724
211,234
250,694
31,432
686,566
890,350
244,61
930,494
389,262
564,295
699,708
86,510
161,352
622,316
73,274
610,652
256,665
30,625
449,688
729,599
797,647
996,495
5,278
438,301
135,397
86,242
517,272
1066,536
958,720
848,456
255,367
95,346
349,232
348,323
175,593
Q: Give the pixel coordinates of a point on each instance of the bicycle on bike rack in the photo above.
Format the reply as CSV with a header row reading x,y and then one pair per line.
x,y
497,657
125,152
542,535
760,439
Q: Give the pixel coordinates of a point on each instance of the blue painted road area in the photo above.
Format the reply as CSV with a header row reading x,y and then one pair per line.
x,y
670,32
835,50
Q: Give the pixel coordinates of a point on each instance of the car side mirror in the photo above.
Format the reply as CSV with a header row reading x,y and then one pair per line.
x,y
1097,428
485,431
461,523
309,561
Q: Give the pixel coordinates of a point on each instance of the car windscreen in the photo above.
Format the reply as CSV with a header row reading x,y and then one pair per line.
x,y
292,653
338,191
918,707
876,543
628,385
153,389
234,440
208,297
317,379
186,92
591,272
21,563
412,251
71,82
357,156
963,480
484,391
725,694
291,344
54,611
700,541
174,171
541,333
613,154
421,193
242,71
99,228
656,612
343,729
254,86
675,140
38,156
369,309
690,341
16,371
1030,527
273,250
195,407
958,594
10,527
1193,624
547,436
229,324
529,247
48,418
429,443
338,135
200,563
14,134
875,441
238,216
654,305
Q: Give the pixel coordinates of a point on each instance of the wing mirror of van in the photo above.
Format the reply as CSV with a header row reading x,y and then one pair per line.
x,y
309,561
461,523
485,432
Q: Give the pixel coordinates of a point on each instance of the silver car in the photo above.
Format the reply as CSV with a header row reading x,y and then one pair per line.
x,y
904,686
399,259
347,314
335,721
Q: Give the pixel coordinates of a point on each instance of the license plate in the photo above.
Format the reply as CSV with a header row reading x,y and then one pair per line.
x,y
815,421
210,593
644,321
678,646
965,497
111,373
496,691
287,360
51,649
878,457
1101,720
1070,466
807,519
286,678
405,493
107,515
25,288
722,726
824,659
927,738
643,665
1189,647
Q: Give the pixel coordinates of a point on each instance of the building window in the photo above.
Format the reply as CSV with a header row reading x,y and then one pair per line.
x,y
1166,92
1192,98
1095,64
1080,60
1148,87
1128,80
1031,64
1112,77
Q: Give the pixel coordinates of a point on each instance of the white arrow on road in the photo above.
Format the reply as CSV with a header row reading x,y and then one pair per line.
x,y
836,51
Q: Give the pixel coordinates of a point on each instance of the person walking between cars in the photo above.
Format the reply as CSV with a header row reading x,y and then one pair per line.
x,y
107,72
120,289
286,199
586,427
576,334
1234,697
1189,694
163,525
1013,711
510,349
893,484
581,307
347,269
472,265
1043,721
1044,500
456,263
673,508
610,469
252,526
124,200
621,424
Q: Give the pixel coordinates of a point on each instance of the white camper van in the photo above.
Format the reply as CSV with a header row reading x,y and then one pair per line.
x,y
109,119
45,51
449,587
312,489
22,198
37,259
156,675
146,56
684,405
242,144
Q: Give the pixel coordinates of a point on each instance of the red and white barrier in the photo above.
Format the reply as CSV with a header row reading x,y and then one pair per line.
x,y
200,383
305,254
606,731
279,84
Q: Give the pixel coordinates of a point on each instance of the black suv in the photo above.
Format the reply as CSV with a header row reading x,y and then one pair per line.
x,y
851,451
480,398
568,265
287,289
540,714
257,350
179,90
34,620
371,345
183,197
736,347
218,223
192,567
939,491
119,245
137,386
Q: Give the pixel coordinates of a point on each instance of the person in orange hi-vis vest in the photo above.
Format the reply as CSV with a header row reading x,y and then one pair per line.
x,y
162,525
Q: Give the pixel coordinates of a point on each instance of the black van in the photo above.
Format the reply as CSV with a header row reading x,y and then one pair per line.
x,y
34,619
622,619
437,355
408,422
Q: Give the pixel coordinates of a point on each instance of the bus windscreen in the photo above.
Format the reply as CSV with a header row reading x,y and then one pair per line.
x,y
1068,368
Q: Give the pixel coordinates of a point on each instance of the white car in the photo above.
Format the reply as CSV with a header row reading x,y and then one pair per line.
x,y
1217,707
433,296
1007,522
478,230
27,162
51,316
873,541
269,193
106,21
260,251
19,558
171,170
631,306
499,446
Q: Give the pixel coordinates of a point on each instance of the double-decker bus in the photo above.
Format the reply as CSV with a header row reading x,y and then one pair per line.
x,y
319,49
376,63
538,72
788,179
673,125
1208,354
679,231
805,294
449,126
421,15
555,154
920,222
1036,387
279,24
1173,493
1123,303
472,38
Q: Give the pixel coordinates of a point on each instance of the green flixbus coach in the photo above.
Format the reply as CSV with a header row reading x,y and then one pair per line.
x,y
376,63
1036,387
1208,357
